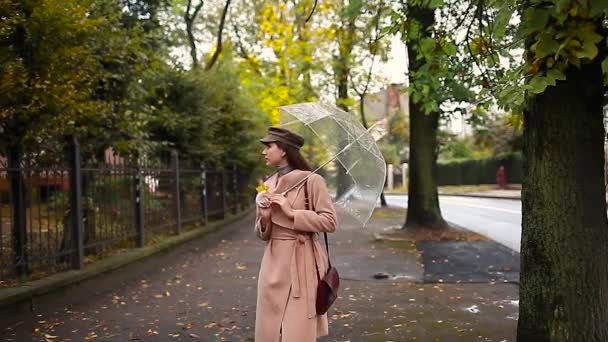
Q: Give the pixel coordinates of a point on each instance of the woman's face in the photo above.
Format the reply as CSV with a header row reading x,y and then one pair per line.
x,y
273,155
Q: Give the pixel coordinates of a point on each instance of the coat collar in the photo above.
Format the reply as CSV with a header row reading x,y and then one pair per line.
x,y
287,180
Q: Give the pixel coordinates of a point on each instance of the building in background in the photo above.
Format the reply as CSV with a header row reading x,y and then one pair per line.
x,y
457,125
380,106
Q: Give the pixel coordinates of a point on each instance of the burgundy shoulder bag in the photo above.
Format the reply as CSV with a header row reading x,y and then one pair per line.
x,y
327,290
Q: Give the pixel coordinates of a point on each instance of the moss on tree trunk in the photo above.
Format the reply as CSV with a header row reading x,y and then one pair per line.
x,y
564,250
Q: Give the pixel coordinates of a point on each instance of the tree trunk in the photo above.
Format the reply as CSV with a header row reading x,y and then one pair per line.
x,y
383,200
189,19
564,251
303,35
364,122
345,35
423,201
219,46
342,78
191,43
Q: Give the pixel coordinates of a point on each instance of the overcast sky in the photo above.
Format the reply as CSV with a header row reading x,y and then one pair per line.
x,y
394,69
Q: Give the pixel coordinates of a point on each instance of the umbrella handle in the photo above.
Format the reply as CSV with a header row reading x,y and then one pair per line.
x,y
298,183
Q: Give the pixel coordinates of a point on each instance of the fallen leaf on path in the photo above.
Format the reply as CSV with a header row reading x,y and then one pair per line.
x,y
91,335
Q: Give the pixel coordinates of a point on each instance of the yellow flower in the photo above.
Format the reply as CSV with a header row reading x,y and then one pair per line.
x,y
262,187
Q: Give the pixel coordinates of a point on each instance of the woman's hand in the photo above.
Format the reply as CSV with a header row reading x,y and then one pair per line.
x,y
282,202
265,216
263,199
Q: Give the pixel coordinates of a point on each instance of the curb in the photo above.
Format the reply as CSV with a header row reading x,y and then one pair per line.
x,y
58,281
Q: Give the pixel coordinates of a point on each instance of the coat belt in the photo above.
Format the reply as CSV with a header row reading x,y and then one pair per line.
x,y
299,251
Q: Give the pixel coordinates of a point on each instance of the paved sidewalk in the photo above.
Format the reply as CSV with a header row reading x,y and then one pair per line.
x,y
205,290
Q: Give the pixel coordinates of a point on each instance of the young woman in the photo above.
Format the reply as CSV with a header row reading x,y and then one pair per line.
x,y
293,259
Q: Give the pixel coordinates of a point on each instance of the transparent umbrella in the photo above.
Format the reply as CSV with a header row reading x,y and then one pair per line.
x,y
346,154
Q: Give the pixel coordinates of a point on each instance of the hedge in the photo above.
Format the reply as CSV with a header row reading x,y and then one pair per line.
x,y
480,171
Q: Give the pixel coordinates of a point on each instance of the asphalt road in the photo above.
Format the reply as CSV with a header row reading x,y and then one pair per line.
x,y
498,219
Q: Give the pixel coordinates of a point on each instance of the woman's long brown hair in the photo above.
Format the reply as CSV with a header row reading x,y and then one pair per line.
x,y
294,158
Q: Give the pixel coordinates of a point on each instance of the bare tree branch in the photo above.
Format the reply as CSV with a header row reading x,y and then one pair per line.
x,y
314,6
373,40
218,50
189,19
243,52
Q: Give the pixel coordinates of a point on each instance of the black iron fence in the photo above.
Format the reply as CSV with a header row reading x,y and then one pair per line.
x,y
61,213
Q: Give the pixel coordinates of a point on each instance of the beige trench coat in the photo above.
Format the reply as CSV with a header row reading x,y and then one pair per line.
x,y
288,277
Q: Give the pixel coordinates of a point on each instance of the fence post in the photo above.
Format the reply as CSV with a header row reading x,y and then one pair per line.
x,y
204,193
19,233
76,203
223,194
178,211
235,182
139,206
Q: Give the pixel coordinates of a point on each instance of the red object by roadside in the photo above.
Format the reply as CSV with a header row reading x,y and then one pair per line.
x,y
501,178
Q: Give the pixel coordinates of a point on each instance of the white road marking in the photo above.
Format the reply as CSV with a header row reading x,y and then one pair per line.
x,y
469,204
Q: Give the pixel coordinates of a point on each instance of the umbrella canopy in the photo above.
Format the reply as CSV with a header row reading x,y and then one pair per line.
x,y
344,148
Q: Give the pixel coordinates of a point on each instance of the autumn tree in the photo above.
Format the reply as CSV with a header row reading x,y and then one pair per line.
x,y
281,57
560,89
436,75
57,79
423,200
354,43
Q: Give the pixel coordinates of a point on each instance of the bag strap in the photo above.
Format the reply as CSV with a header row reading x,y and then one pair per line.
x,y
308,208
